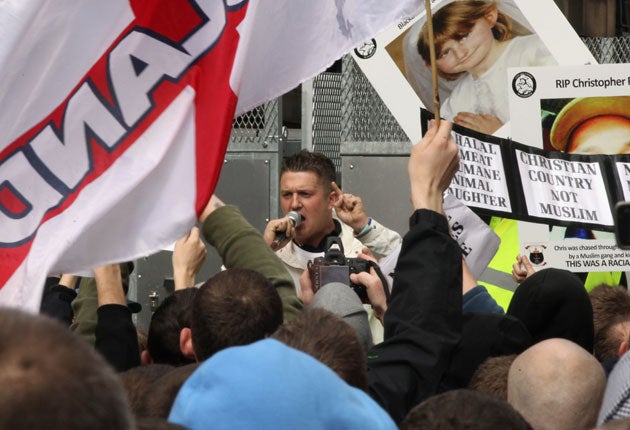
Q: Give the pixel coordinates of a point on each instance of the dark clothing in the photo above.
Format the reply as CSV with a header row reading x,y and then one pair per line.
x,y
483,335
116,337
84,308
86,303
479,300
57,301
423,321
554,303
109,327
321,246
609,365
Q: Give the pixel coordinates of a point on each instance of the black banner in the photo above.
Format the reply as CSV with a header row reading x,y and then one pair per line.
x,y
501,177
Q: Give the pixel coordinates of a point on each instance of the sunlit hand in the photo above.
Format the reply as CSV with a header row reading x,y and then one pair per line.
x,y
188,256
350,210
432,164
306,288
275,227
522,269
373,287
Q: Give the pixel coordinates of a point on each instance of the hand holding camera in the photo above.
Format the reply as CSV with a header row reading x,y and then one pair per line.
x,y
334,266
374,287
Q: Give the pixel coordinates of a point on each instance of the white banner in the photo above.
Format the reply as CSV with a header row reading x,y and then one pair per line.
x,y
115,115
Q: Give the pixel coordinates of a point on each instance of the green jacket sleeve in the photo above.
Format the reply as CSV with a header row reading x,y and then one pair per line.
x,y
84,307
240,245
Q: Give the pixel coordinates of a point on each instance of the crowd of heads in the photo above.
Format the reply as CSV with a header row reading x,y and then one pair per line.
x,y
225,353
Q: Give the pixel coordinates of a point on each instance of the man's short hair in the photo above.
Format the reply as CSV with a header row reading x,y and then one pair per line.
x,y
609,338
137,381
306,161
325,336
492,376
52,379
160,395
170,317
608,301
234,307
464,408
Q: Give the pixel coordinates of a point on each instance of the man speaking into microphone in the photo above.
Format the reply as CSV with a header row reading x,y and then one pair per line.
x,y
308,187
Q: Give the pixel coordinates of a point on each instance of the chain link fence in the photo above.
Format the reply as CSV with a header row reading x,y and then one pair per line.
x,y
327,116
260,126
607,50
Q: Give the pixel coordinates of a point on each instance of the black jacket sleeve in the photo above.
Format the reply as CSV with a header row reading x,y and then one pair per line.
x,y
57,302
423,320
116,337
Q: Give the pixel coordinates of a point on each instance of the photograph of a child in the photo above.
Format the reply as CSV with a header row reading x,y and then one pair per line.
x,y
476,41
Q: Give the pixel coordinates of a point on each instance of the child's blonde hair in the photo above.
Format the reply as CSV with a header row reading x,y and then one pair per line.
x,y
454,21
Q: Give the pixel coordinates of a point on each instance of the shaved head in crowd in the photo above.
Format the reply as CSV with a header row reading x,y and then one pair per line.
x,y
556,384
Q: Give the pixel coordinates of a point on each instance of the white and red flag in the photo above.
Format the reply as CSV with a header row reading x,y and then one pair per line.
x,y
115,115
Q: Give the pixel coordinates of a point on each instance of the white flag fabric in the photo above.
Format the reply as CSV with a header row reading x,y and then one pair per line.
x,y
115,115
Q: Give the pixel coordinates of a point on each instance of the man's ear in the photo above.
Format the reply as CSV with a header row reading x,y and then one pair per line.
x,y
623,348
186,345
333,196
145,358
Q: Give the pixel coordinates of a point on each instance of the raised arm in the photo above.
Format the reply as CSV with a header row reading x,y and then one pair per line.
x,y
376,237
424,317
188,256
240,245
116,336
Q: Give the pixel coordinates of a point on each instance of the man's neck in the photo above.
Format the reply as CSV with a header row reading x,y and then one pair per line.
x,y
318,243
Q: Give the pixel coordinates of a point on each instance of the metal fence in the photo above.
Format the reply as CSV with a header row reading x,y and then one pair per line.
x,y
259,128
327,116
607,50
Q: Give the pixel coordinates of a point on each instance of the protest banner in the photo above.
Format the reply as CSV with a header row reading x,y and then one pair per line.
x,y
395,68
115,115
576,110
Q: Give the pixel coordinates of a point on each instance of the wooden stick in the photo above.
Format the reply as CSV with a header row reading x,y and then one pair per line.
x,y
434,75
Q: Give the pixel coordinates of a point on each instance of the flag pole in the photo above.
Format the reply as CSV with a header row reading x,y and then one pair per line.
x,y
436,95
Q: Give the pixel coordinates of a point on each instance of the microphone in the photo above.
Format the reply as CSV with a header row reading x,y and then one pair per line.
x,y
296,220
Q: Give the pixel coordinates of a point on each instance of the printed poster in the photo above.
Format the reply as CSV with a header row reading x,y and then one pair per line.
x,y
538,34
575,110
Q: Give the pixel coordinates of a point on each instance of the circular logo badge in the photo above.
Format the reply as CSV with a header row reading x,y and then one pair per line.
x,y
536,255
523,84
366,50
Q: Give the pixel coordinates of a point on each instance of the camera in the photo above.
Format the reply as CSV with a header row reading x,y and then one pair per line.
x,y
334,266
622,224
